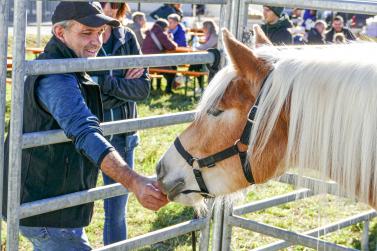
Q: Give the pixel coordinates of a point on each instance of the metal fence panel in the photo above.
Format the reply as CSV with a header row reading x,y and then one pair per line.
x,y
4,19
14,177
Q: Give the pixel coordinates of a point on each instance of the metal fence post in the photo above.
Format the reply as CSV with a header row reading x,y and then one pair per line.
x,y
218,219
4,17
242,18
16,125
227,229
205,232
365,237
39,21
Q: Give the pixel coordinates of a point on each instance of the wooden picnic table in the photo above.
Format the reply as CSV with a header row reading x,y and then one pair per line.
x,y
35,50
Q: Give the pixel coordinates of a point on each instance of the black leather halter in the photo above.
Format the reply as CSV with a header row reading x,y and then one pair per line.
x,y
211,160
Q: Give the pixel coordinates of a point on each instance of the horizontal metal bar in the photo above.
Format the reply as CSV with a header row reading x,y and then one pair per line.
x,y
157,236
70,200
116,127
313,184
271,202
332,227
350,6
157,1
295,238
54,66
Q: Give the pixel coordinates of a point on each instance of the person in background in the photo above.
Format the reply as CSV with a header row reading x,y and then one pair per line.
x,y
338,27
211,33
309,18
138,24
157,40
71,102
120,89
176,29
276,25
316,35
167,9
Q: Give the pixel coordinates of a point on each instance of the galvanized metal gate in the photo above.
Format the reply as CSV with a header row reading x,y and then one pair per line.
x,y
19,141
233,16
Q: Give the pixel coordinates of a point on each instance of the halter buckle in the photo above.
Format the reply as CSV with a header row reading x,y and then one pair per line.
x,y
237,145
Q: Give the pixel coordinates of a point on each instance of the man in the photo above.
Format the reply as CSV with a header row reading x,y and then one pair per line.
x,y
71,102
175,28
316,34
276,25
139,23
338,27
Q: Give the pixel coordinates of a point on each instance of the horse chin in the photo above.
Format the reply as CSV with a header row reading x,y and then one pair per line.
x,y
192,200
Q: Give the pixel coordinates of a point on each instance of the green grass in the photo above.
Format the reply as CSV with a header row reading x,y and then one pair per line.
x,y
299,216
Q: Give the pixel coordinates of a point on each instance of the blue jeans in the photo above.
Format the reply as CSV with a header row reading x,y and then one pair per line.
x,y
56,239
115,227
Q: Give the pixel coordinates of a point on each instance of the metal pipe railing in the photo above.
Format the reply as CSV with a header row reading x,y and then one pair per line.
x,y
156,1
273,201
350,6
4,17
292,237
55,66
332,227
157,236
15,135
116,127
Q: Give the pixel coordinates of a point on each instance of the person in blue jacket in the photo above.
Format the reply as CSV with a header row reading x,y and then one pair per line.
x,y
120,89
176,29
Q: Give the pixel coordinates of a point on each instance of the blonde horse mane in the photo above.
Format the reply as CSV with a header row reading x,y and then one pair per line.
x,y
332,111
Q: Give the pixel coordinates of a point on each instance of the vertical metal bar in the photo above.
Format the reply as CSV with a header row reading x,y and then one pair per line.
x,y
16,124
242,19
227,228
39,21
4,17
205,233
234,17
365,237
218,225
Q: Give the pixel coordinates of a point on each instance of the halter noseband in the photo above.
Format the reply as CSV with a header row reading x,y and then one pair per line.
x,y
211,160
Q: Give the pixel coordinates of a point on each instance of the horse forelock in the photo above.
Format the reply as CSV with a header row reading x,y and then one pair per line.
x,y
332,113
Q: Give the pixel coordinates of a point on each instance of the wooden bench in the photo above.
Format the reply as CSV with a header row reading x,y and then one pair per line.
x,y
186,73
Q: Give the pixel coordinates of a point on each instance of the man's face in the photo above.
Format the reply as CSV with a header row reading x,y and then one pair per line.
x,y
269,15
337,25
320,28
172,24
142,22
85,41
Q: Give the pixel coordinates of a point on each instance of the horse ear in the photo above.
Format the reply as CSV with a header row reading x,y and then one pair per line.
x,y
242,57
260,37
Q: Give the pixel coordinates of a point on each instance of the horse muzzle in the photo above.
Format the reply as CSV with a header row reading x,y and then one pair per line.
x,y
172,188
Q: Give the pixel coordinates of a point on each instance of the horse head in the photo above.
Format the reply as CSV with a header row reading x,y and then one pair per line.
x,y
192,167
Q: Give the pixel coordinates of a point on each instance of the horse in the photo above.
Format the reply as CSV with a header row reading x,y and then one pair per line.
x,y
270,109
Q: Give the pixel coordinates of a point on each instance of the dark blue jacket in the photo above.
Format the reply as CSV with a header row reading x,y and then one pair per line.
x,y
164,11
179,35
119,94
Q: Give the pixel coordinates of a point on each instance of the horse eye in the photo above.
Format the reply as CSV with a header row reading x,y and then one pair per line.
x,y
214,111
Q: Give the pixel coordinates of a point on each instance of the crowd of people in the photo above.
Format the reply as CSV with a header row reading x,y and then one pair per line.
x,y
299,26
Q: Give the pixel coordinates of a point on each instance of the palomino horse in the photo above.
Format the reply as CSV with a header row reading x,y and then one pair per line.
x,y
313,108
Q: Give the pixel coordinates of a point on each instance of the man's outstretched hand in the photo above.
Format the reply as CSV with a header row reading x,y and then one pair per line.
x,y
146,190
148,193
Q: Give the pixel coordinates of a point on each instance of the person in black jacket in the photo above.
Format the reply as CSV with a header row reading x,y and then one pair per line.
x,y
338,27
316,34
276,25
120,90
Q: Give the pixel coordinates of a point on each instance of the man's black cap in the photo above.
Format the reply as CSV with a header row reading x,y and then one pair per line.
x,y
89,14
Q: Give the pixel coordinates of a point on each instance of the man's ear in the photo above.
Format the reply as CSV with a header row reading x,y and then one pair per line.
x,y
59,32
